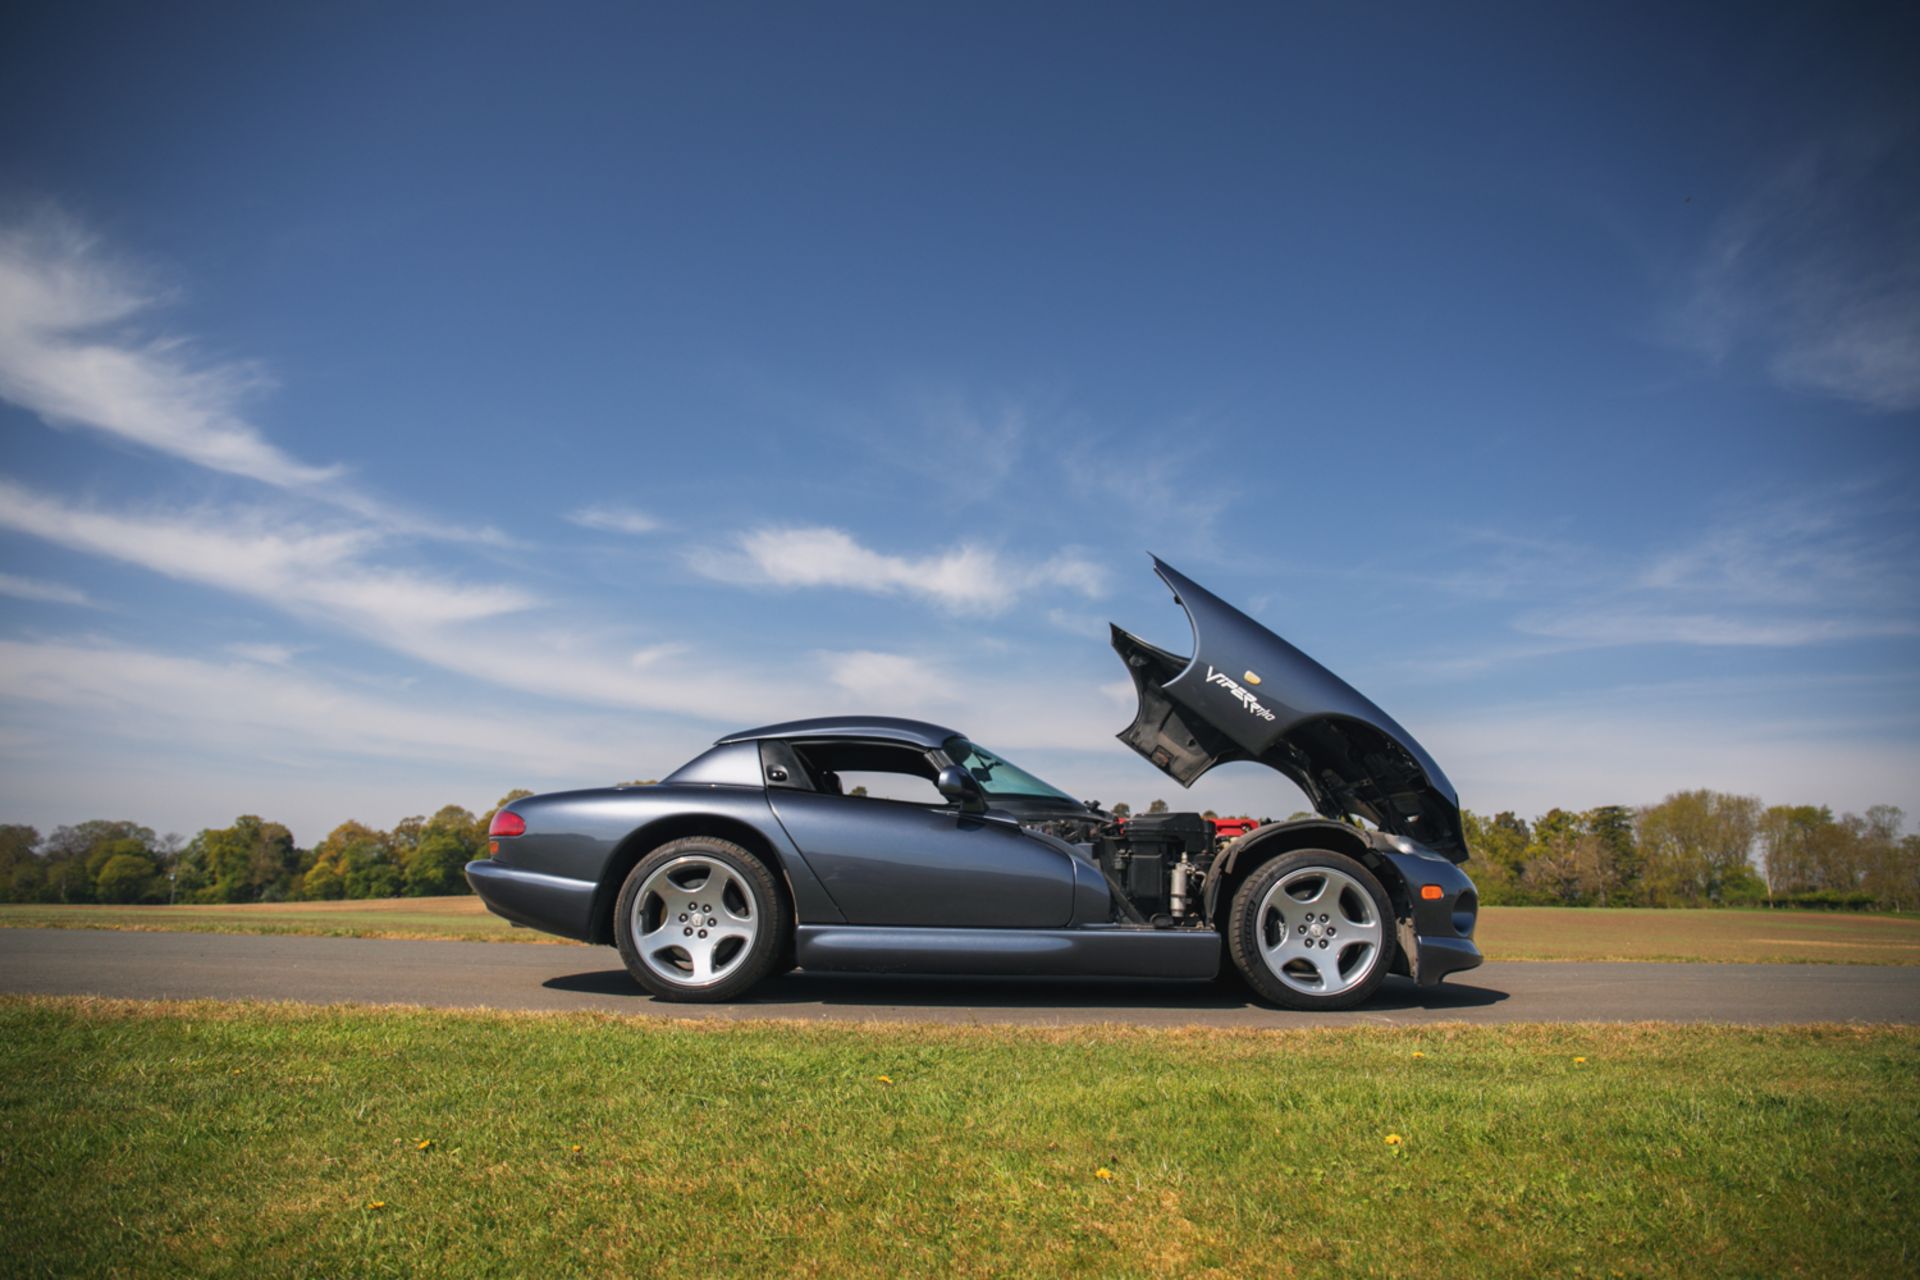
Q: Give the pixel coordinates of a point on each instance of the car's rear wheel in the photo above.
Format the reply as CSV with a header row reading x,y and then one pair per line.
x,y
699,919
1312,930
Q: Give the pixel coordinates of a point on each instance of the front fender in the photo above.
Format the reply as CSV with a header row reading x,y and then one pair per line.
x,y
1434,933
1240,858
1442,909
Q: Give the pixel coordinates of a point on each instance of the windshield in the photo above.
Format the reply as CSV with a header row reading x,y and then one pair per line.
x,y
998,777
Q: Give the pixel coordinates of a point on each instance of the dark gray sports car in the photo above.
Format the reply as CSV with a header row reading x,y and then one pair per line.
x,y
882,845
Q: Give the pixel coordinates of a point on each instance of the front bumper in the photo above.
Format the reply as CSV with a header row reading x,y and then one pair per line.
x,y
551,904
1436,933
1435,958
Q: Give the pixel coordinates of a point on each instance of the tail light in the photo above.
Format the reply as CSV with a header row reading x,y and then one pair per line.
x,y
506,823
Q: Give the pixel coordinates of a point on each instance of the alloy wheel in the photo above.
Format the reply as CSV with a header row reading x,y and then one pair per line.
x,y
694,921
1319,931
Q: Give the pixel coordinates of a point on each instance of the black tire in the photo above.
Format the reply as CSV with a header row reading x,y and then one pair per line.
x,y
752,889
1245,929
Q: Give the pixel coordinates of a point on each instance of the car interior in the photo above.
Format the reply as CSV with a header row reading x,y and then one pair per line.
x,y
887,771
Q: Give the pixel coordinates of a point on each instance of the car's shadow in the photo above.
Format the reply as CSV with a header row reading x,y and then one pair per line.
x,y
798,991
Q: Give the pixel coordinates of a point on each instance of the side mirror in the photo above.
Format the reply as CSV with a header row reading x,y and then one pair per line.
x,y
963,788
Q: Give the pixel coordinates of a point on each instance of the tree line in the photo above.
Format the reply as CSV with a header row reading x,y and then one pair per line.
x,y
1695,848
1698,848
251,861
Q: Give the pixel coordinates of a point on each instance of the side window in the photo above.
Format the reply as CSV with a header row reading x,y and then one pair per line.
x,y
781,767
890,786
874,771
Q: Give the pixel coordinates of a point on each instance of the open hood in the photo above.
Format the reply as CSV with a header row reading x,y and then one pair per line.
x,y
1246,694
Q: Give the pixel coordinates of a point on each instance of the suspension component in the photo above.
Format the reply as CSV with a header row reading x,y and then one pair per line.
x,y
1184,878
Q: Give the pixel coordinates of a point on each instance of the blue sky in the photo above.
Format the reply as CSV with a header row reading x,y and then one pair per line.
x,y
401,406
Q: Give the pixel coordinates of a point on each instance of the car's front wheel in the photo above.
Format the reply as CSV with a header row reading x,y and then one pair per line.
x,y
1311,929
699,919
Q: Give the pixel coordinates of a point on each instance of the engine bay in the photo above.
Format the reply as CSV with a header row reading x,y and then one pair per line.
x,y
1156,864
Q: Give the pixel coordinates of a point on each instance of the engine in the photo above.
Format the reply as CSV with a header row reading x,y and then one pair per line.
x,y
1156,864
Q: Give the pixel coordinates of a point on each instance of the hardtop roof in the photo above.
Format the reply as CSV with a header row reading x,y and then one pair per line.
x,y
917,733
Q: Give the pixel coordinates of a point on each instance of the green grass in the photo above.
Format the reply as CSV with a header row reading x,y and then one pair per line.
x,y
1505,933
248,1140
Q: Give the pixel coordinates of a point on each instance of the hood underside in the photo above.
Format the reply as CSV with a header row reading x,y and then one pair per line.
x,y
1246,694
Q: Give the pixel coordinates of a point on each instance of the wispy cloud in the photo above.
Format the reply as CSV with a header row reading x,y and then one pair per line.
x,y
80,348
1777,569
272,655
1499,565
964,579
1020,714
1079,622
959,450
326,571
67,354
1768,568
1174,499
247,705
884,681
337,577
190,742
1817,271
610,518
44,592
968,448
1852,545
1607,628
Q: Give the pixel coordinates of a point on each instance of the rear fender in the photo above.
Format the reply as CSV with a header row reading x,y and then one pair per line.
x,y
809,903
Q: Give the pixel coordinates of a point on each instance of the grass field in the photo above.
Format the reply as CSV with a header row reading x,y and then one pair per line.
x,y
1751,937
1506,933
246,1140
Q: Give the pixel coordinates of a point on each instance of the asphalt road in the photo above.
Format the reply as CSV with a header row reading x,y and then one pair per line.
x,y
506,976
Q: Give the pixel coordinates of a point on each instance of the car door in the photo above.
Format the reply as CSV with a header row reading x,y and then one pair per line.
x,y
894,862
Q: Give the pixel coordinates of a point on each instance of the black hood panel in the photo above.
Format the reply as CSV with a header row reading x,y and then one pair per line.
x,y
1246,694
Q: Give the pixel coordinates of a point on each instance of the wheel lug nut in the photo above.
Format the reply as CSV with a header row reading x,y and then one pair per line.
x,y
687,932
1303,928
683,917
703,933
707,908
711,922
